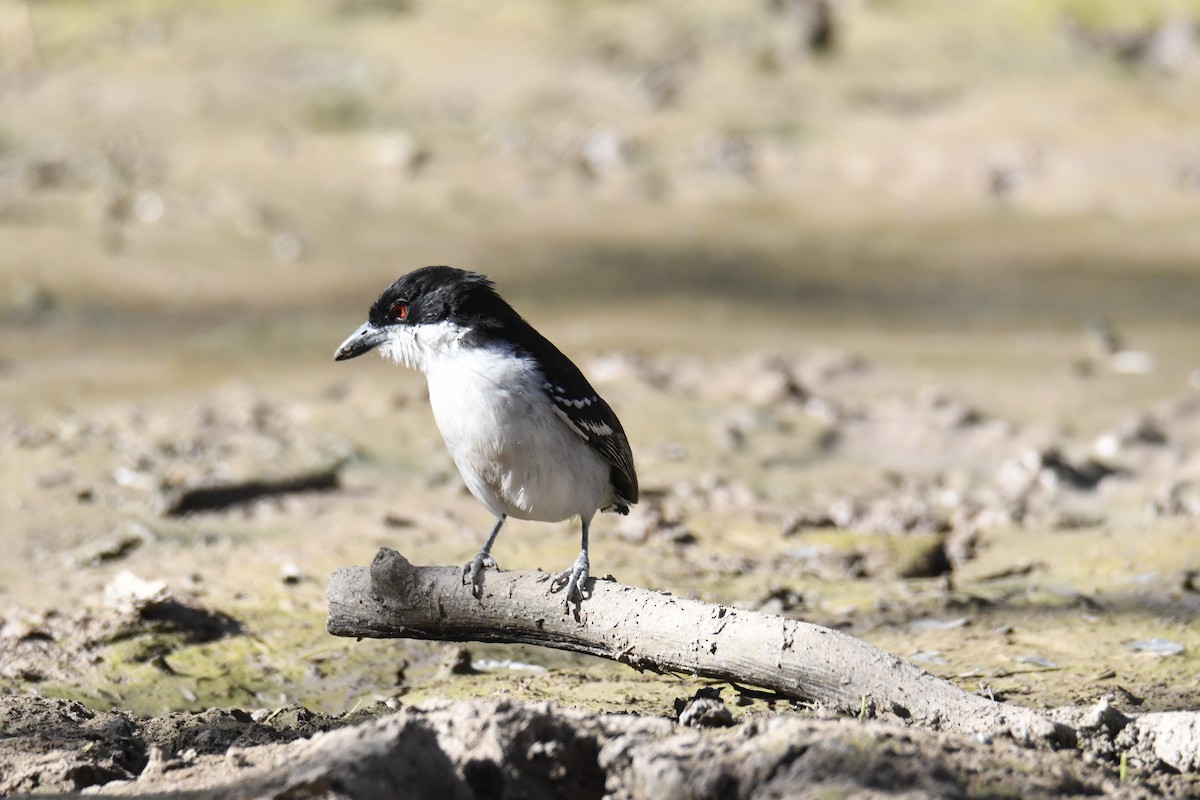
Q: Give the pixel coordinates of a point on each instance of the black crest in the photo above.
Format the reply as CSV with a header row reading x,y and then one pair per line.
x,y
438,294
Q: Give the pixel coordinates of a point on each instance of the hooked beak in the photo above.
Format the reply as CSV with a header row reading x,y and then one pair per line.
x,y
366,338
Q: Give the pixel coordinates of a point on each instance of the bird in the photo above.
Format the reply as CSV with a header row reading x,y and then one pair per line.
x,y
530,436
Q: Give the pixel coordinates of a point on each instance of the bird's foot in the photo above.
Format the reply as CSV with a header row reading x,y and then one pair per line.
x,y
472,571
571,581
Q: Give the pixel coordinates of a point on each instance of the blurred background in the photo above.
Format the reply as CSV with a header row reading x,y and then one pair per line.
x,y
228,181
819,254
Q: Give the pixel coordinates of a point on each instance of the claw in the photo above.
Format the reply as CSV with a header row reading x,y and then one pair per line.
x,y
571,581
472,572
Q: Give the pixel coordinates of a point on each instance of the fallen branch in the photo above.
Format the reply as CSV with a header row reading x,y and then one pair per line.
x,y
219,496
655,631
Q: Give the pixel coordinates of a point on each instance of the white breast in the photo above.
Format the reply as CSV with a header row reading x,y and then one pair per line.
x,y
514,453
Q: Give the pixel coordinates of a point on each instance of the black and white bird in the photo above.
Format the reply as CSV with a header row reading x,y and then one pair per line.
x,y
530,436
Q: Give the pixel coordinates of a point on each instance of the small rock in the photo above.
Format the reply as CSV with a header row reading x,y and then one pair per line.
x,y
149,207
652,523
459,663
138,480
291,574
398,150
1176,499
932,562
1191,580
806,520
1037,661
24,631
129,594
55,478
661,84
926,657
728,153
1103,715
705,709
780,601
772,383
1140,429
287,247
1050,470
115,547
923,625
1132,362
1075,521
603,151
1156,646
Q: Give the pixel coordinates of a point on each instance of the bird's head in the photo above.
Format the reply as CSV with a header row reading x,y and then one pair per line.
x,y
423,310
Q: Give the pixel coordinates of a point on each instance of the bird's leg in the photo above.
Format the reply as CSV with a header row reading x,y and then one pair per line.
x,y
473,570
571,581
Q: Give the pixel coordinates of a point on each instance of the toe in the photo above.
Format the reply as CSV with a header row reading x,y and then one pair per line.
x,y
472,572
574,581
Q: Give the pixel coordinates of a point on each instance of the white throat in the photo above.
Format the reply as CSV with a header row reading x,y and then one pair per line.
x,y
421,347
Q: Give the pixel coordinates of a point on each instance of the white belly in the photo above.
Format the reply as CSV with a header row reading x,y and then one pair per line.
x,y
515,455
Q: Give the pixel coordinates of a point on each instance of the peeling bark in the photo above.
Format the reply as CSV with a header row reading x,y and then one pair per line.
x,y
655,631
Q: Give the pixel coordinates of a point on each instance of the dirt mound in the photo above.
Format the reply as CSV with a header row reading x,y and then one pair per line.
x,y
51,745
502,748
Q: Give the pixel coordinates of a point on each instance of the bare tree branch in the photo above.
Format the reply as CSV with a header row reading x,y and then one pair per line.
x,y
655,631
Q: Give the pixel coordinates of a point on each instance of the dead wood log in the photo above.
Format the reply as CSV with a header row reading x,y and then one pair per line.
x,y
658,632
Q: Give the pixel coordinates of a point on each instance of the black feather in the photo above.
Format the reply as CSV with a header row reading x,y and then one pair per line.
x,y
593,419
436,294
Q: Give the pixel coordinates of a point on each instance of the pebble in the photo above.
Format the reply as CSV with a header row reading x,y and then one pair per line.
x,y
291,574
1156,646
129,593
925,625
1037,661
926,657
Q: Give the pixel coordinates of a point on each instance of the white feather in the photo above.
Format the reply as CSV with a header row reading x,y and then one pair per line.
x,y
507,438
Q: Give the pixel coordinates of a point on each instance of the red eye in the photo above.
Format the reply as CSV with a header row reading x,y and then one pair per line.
x,y
399,311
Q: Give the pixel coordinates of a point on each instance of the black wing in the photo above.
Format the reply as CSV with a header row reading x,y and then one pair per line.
x,y
571,396
586,413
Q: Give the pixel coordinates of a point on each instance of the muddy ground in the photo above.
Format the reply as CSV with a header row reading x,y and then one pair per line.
x,y
902,333
1037,566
